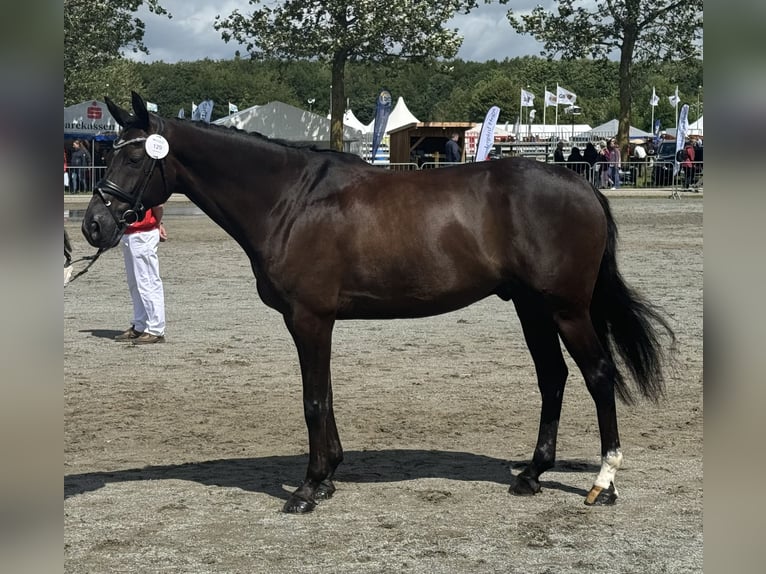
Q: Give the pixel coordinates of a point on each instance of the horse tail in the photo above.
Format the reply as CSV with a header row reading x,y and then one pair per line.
x,y
624,321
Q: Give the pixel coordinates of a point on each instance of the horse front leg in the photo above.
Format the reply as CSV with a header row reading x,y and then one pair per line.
x,y
313,340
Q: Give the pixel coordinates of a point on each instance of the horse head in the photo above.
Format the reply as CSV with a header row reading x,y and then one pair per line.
x,y
136,177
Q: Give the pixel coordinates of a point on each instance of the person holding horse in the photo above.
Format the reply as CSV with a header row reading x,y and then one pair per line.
x,y
139,249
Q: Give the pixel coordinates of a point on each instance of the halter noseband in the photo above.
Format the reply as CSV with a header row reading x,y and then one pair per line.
x,y
107,187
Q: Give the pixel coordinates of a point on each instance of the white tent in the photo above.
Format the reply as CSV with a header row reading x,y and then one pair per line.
x,y
89,120
282,121
608,130
695,128
350,120
400,116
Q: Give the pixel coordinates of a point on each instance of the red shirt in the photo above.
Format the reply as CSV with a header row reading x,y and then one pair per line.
x,y
148,223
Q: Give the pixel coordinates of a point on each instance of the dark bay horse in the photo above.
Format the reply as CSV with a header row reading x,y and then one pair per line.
x,y
331,237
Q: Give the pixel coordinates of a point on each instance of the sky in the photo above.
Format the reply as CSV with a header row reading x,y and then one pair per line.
x,y
190,36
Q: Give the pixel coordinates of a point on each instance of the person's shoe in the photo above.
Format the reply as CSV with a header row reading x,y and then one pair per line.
x,y
128,335
147,338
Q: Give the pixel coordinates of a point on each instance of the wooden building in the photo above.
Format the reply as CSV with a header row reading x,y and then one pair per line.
x,y
424,141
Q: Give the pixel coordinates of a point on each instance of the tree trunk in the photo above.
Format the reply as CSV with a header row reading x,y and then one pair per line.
x,y
623,129
337,101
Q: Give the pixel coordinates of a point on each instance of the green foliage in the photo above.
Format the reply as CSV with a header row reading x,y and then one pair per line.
x,y
338,32
631,30
96,33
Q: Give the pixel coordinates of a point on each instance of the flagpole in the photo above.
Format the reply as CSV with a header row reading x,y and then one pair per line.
x,y
651,103
557,110
545,102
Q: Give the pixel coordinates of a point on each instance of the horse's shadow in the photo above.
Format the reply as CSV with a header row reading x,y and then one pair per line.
x,y
266,474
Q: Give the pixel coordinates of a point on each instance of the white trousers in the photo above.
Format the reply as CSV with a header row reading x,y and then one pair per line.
x,y
142,267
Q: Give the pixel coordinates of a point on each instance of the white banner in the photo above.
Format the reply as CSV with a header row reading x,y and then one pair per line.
x,y
550,99
527,99
674,99
655,98
565,96
203,111
681,132
487,136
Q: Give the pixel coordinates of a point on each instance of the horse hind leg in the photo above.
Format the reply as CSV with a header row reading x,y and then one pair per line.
x,y
599,371
541,335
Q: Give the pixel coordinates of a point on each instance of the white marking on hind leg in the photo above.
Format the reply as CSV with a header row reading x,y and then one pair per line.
x,y
610,463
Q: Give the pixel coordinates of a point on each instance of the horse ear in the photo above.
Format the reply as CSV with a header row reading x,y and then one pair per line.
x,y
139,109
121,116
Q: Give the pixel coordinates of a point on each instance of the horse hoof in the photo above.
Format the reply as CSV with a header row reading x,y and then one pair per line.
x,y
524,486
601,496
324,491
298,506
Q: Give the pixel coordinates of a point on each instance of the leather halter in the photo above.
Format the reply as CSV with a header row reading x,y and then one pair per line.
x,y
107,187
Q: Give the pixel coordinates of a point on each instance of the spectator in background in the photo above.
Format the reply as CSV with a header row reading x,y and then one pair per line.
x,y
603,162
687,164
558,154
615,159
639,157
591,156
79,165
452,150
575,161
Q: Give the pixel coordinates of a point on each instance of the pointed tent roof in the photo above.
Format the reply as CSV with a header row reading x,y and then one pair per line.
x,y
400,116
283,121
350,120
90,120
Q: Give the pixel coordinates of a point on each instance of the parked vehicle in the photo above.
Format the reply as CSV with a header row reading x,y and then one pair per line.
x,y
662,173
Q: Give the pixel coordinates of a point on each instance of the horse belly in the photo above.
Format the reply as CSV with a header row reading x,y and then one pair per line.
x,y
416,290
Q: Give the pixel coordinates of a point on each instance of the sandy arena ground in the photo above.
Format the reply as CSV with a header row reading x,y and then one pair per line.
x,y
178,457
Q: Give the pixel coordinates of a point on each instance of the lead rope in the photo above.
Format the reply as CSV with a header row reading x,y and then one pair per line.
x,y
92,259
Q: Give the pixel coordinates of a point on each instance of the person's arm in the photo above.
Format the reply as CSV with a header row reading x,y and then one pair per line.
x,y
159,211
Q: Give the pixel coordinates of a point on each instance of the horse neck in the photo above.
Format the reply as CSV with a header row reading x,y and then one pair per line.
x,y
237,180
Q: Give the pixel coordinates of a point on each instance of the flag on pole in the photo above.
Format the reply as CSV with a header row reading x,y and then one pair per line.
x,y
203,111
527,99
550,99
657,133
181,114
151,107
564,96
674,99
655,98
487,134
681,130
382,111
233,109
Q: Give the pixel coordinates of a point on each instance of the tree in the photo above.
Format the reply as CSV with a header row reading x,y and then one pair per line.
x,y
95,34
634,30
342,31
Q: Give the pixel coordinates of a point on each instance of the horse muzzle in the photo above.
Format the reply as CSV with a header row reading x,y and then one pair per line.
x,y
101,232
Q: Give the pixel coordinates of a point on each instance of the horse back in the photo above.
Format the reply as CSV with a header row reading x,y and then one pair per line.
x,y
417,243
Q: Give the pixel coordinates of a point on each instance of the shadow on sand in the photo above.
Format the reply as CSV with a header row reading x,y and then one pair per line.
x,y
267,474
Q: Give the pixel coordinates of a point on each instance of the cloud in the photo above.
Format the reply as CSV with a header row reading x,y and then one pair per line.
x,y
190,36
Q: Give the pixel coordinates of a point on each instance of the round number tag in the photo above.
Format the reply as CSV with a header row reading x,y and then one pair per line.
x,y
157,146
